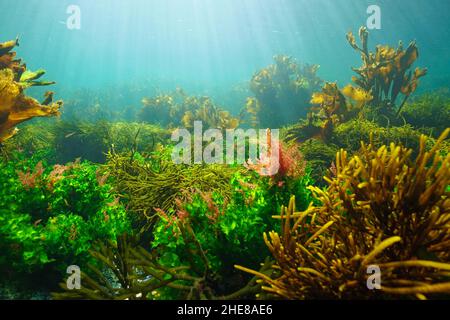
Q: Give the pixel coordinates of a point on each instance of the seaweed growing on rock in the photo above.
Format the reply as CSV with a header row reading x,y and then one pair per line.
x,y
349,135
384,76
159,109
320,154
211,115
77,139
380,209
15,106
320,157
341,118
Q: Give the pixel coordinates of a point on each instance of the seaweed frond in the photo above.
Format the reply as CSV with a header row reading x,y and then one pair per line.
x,y
386,72
15,106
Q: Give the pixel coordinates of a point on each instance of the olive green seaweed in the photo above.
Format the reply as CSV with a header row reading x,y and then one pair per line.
x,y
157,182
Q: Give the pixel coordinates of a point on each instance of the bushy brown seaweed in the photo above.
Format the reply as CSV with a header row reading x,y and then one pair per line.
x,y
381,209
130,272
384,75
386,72
15,106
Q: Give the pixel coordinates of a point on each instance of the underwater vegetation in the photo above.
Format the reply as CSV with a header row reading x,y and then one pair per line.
x,y
282,92
50,216
383,77
368,109
98,188
97,138
386,73
333,109
67,140
135,274
180,110
193,245
15,106
103,104
320,154
156,182
429,112
381,208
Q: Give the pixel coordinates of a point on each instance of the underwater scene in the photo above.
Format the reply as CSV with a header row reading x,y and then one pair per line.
x,y
225,150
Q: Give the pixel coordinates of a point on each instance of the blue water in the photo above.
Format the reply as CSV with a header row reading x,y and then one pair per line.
x,y
209,46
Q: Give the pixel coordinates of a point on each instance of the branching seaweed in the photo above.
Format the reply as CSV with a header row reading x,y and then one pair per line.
x,y
15,106
137,275
381,209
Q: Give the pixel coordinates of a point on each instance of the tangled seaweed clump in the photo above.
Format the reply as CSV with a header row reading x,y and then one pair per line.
x,y
15,106
381,209
136,274
156,181
178,109
429,112
282,91
193,248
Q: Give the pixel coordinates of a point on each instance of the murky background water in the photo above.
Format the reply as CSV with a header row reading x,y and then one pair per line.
x,y
208,47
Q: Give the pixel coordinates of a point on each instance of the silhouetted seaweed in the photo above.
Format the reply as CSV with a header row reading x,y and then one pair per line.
x,y
130,272
386,72
282,91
